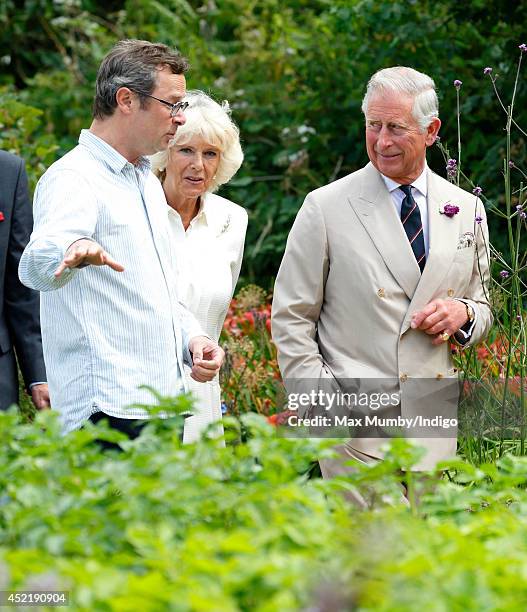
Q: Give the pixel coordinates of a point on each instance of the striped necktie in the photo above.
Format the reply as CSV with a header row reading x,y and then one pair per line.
x,y
411,219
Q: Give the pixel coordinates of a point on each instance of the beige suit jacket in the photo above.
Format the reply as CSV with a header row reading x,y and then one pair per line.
x,y
349,284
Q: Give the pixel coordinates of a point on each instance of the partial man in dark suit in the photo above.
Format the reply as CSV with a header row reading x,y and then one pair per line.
x,y
19,306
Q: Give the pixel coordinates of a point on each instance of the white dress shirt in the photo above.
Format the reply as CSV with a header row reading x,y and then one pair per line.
x,y
208,258
419,190
419,193
105,333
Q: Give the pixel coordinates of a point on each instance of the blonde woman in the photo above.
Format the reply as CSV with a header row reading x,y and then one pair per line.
x,y
208,230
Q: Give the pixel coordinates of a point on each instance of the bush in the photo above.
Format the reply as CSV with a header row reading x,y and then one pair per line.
x,y
294,72
205,527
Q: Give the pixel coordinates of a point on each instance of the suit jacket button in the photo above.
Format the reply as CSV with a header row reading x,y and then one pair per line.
x,y
381,293
403,377
450,293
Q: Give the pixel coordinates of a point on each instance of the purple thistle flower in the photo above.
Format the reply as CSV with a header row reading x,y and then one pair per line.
x,y
487,70
519,207
451,169
511,164
504,274
458,83
523,215
477,191
449,210
478,219
522,47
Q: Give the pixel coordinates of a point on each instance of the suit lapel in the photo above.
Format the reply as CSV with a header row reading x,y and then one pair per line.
x,y
443,238
378,215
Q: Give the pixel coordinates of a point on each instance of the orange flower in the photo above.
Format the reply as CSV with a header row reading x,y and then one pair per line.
x,y
249,317
482,353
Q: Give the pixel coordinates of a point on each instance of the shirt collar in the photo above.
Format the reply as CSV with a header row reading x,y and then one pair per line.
x,y
420,183
202,214
104,152
205,208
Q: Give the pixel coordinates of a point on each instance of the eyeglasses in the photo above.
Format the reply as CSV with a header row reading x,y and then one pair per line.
x,y
174,108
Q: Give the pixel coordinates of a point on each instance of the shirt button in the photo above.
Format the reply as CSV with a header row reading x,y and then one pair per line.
x,y
403,377
381,293
450,292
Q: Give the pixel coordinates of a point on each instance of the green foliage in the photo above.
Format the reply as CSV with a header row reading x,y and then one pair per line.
x,y
206,527
295,74
496,386
159,525
27,409
21,132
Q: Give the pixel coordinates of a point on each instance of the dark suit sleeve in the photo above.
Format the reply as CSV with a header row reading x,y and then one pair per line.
x,y
21,304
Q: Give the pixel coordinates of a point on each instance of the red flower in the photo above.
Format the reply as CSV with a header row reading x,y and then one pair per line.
x,y
2,218
268,325
272,419
249,317
483,353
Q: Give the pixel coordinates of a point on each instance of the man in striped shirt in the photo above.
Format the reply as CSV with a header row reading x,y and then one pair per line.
x,y
101,254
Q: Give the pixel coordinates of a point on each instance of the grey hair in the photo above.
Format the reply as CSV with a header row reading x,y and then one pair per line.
x,y
134,64
409,82
212,122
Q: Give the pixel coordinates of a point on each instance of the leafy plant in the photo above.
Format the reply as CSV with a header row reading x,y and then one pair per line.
x,y
294,73
496,392
200,527
22,132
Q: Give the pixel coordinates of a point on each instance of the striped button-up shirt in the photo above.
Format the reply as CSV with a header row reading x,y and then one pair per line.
x,y
105,333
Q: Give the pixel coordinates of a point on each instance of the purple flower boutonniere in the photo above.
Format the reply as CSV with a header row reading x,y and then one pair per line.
x,y
449,210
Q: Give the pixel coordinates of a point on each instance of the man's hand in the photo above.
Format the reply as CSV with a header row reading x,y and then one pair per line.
x,y
87,252
440,317
207,358
40,396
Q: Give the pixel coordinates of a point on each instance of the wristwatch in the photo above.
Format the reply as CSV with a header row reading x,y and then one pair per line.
x,y
470,312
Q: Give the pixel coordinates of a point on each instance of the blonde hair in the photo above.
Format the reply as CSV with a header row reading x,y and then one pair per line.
x,y
212,122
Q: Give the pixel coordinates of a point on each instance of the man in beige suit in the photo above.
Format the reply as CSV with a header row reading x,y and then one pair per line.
x,y
381,269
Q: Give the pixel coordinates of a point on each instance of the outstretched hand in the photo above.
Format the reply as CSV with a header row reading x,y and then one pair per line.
x,y
207,358
87,252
